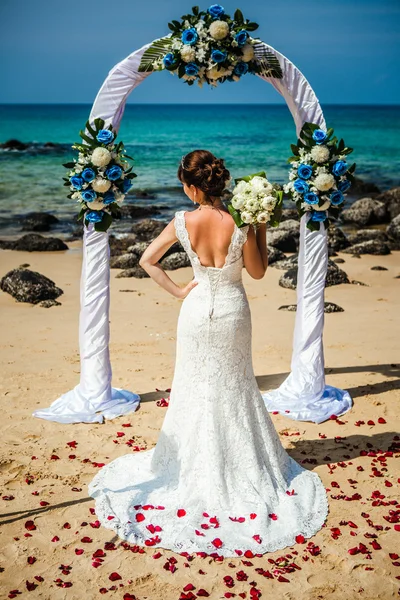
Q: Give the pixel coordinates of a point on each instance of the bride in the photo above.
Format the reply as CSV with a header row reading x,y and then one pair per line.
x,y
218,479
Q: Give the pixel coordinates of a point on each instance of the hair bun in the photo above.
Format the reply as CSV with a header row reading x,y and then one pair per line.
x,y
205,171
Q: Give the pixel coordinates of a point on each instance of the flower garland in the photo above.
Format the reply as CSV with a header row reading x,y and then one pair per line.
x,y
101,176
255,200
210,47
319,176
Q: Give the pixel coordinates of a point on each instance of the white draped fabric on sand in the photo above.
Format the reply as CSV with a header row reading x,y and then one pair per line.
x,y
304,393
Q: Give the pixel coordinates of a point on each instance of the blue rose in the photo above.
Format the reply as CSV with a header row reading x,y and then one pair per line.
x,y
241,69
218,56
336,197
94,216
169,60
319,136
105,136
344,185
311,198
241,37
216,10
189,36
191,69
88,174
108,198
340,167
113,173
88,195
319,215
77,182
126,186
304,171
301,186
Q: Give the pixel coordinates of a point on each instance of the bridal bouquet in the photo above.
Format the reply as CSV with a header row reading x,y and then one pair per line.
x,y
320,175
255,200
210,47
101,176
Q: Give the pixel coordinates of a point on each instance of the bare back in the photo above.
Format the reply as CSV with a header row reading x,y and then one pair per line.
x,y
210,232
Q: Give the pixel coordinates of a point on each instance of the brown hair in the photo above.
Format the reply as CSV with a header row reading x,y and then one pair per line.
x,y
203,170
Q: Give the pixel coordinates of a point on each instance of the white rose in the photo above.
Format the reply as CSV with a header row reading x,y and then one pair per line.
x,y
247,53
238,202
306,206
268,203
200,54
325,206
246,217
320,154
252,205
101,185
95,205
101,157
219,30
242,187
324,182
188,54
262,217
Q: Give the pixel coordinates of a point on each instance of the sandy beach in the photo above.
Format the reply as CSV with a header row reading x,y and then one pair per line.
x,y
49,534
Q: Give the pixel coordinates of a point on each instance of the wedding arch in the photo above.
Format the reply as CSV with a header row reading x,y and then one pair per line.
x,y
304,394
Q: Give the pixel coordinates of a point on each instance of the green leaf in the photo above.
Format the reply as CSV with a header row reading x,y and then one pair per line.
x,y
92,132
251,26
87,139
249,177
69,165
277,212
172,27
155,52
329,132
348,150
313,225
352,168
238,16
341,146
266,63
99,123
105,223
235,215
295,149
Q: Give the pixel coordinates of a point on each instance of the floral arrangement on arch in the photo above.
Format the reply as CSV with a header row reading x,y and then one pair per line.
x,y
101,176
256,200
320,175
210,47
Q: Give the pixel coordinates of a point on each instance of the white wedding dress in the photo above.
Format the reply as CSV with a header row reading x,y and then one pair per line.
x,y
219,479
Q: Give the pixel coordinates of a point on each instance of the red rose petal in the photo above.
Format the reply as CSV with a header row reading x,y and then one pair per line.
x,y
283,579
140,517
202,593
257,538
79,551
197,532
381,420
217,543
55,539
397,527
114,576
30,525
86,540
181,512
30,586
273,516
189,587
31,560
300,539
253,516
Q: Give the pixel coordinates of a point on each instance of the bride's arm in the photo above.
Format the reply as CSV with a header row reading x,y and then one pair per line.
x,y
255,254
151,256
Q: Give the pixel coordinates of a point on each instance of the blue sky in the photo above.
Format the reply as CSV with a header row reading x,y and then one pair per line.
x,y
60,51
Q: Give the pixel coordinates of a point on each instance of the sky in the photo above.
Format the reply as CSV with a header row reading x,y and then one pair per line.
x,y
60,51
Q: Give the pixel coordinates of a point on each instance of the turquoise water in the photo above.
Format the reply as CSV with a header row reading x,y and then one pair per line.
x,y
249,137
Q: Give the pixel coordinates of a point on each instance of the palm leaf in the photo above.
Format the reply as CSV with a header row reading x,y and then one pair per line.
x,y
155,52
267,63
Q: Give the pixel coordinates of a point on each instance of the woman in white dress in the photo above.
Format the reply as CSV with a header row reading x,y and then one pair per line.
x,y
218,479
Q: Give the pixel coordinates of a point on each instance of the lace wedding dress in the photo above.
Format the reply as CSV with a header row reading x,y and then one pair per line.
x,y
219,479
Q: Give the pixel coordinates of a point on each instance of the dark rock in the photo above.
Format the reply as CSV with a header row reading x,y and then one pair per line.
x,y
334,276
339,261
148,229
329,307
138,248
29,286
120,245
290,214
372,247
355,282
393,230
33,242
275,255
286,263
366,211
133,211
14,145
37,221
49,303
379,268
391,199
282,239
134,272
177,260
143,194
366,235
337,239
24,266
360,187
124,261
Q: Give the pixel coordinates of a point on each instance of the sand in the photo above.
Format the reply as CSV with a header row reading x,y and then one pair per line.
x,y
45,467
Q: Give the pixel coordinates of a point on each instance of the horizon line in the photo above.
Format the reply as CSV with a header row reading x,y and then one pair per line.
x,y
193,104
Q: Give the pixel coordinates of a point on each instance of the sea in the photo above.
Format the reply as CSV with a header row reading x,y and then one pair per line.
x,y
250,138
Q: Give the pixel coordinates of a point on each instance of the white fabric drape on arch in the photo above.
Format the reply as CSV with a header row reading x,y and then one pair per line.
x,y
304,392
